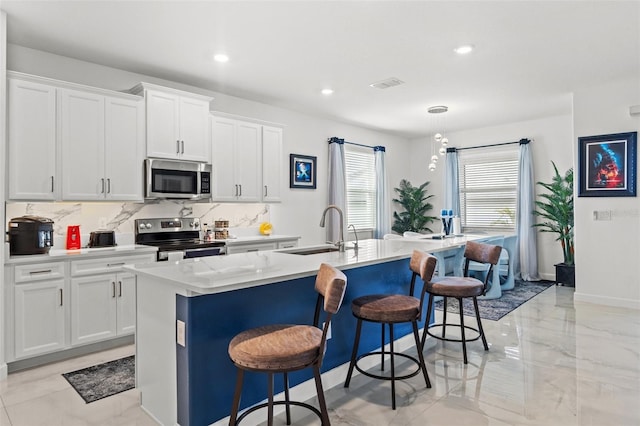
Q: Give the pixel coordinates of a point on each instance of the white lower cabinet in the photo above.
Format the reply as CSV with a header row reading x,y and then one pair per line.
x,y
39,315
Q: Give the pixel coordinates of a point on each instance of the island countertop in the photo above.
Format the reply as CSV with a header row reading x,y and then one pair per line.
x,y
218,274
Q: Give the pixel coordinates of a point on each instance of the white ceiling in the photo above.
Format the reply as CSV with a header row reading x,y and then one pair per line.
x,y
529,56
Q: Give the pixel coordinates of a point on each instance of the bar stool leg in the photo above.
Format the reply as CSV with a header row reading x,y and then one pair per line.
x,y
426,323
236,398
382,348
393,368
286,397
356,342
321,400
444,315
423,367
464,343
270,404
480,329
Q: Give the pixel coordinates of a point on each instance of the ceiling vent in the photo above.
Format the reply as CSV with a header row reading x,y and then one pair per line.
x,y
385,84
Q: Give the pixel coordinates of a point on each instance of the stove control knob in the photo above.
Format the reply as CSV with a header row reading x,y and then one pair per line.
x,y
141,225
148,225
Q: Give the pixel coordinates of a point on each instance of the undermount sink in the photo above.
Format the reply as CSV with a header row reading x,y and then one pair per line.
x,y
303,251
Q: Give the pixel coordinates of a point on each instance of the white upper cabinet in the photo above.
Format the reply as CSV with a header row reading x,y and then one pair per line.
x,y
73,142
31,122
272,182
177,123
247,160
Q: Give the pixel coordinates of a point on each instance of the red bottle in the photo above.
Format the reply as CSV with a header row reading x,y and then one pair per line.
x,y
73,237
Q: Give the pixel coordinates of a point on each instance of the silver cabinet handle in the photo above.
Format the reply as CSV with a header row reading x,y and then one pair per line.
x,y
60,297
113,289
177,147
43,271
266,191
115,264
52,184
119,288
250,250
240,194
182,147
236,194
108,186
102,180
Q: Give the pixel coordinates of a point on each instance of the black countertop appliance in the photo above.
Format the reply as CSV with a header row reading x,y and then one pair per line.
x,y
30,235
102,239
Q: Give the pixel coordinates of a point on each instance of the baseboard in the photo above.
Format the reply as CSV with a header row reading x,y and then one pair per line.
x,y
4,371
334,377
606,300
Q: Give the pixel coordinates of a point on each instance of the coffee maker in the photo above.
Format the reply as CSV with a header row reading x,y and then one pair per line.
x,y
30,235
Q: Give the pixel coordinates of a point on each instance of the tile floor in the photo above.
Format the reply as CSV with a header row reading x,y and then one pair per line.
x,y
549,363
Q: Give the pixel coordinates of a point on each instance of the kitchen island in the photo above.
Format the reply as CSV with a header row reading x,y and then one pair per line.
x,y
188,311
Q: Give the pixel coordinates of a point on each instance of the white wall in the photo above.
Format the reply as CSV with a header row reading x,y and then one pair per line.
x,y
300,210
552,139
607,252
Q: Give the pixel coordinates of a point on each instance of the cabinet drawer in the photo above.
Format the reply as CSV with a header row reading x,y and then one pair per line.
x,y
38,272
243,248
288,244
106,264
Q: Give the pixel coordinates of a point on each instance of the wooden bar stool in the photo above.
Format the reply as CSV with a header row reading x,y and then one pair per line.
x,y
460,288
282,348
390,309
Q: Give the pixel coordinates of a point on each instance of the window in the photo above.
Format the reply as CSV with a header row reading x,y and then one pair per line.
x,y
361,187
488,180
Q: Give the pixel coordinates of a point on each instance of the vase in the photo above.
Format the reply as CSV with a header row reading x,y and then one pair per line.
x,y
566,274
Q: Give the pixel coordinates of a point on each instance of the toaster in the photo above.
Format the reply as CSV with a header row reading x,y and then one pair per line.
x,y
102,239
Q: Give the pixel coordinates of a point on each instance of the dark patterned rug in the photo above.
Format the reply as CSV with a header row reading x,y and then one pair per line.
x,y
103,380
497,308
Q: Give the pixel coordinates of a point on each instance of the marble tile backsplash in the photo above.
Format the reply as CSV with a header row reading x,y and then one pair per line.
x,y
120,217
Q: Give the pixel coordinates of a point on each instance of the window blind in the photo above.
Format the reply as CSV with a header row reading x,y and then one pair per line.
x,y
361,187
488,180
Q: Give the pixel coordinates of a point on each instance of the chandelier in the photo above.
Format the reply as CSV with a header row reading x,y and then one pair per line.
x,y
438,138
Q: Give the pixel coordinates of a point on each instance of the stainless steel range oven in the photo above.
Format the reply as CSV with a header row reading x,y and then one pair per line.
x,y
176,238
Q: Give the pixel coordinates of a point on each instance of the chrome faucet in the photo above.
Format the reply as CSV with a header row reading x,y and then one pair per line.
x,y
339,243
355,233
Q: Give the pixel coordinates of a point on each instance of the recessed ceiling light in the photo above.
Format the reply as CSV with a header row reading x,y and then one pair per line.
x,y
464,49
327,92
221,57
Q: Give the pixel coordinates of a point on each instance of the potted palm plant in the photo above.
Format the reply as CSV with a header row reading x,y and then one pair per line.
x,y
556,208
414,201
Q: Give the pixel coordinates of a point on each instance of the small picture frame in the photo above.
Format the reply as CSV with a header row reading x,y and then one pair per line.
x,y
302,171
607,165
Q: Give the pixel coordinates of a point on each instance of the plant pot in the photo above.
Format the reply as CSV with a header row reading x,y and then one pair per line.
x,y
566,274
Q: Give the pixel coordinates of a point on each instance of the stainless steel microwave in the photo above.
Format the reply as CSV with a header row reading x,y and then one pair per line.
x,y
177,179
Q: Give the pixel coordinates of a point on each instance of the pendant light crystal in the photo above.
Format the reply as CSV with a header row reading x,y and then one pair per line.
x,y
432,167
437,137
434,158
444,141
442,150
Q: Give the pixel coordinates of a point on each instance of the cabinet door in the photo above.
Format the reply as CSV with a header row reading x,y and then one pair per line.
x,y
124,143
126,318
93,308
31,125
248,161
224,185
82,140
194,130
271,164
162,125
39,318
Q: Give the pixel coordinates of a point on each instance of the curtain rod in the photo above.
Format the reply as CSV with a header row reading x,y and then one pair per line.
x,y
338,140
521,142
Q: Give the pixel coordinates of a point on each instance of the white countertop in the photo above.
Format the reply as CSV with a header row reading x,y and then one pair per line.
x,y
218,274
62,254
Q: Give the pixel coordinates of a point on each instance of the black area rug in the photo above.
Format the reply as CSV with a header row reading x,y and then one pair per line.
x,y
497,308
103,380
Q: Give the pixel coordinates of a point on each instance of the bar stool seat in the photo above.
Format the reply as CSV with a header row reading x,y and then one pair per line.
x,y
456,287
390,309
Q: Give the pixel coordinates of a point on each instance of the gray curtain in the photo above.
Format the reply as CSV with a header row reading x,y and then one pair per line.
x,y
526,259
383,199
337,188
451,187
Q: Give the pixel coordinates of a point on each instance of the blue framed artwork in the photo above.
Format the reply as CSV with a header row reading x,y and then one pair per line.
x,y
607,165
302,171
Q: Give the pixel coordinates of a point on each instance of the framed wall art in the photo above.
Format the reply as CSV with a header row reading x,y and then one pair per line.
x,y
607,165
302,171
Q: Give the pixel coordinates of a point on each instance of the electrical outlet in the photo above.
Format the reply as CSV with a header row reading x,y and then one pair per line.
x,y
180,338
602,215
328,331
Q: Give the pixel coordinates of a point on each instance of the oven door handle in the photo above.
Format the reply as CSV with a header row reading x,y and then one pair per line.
x,y
221,249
